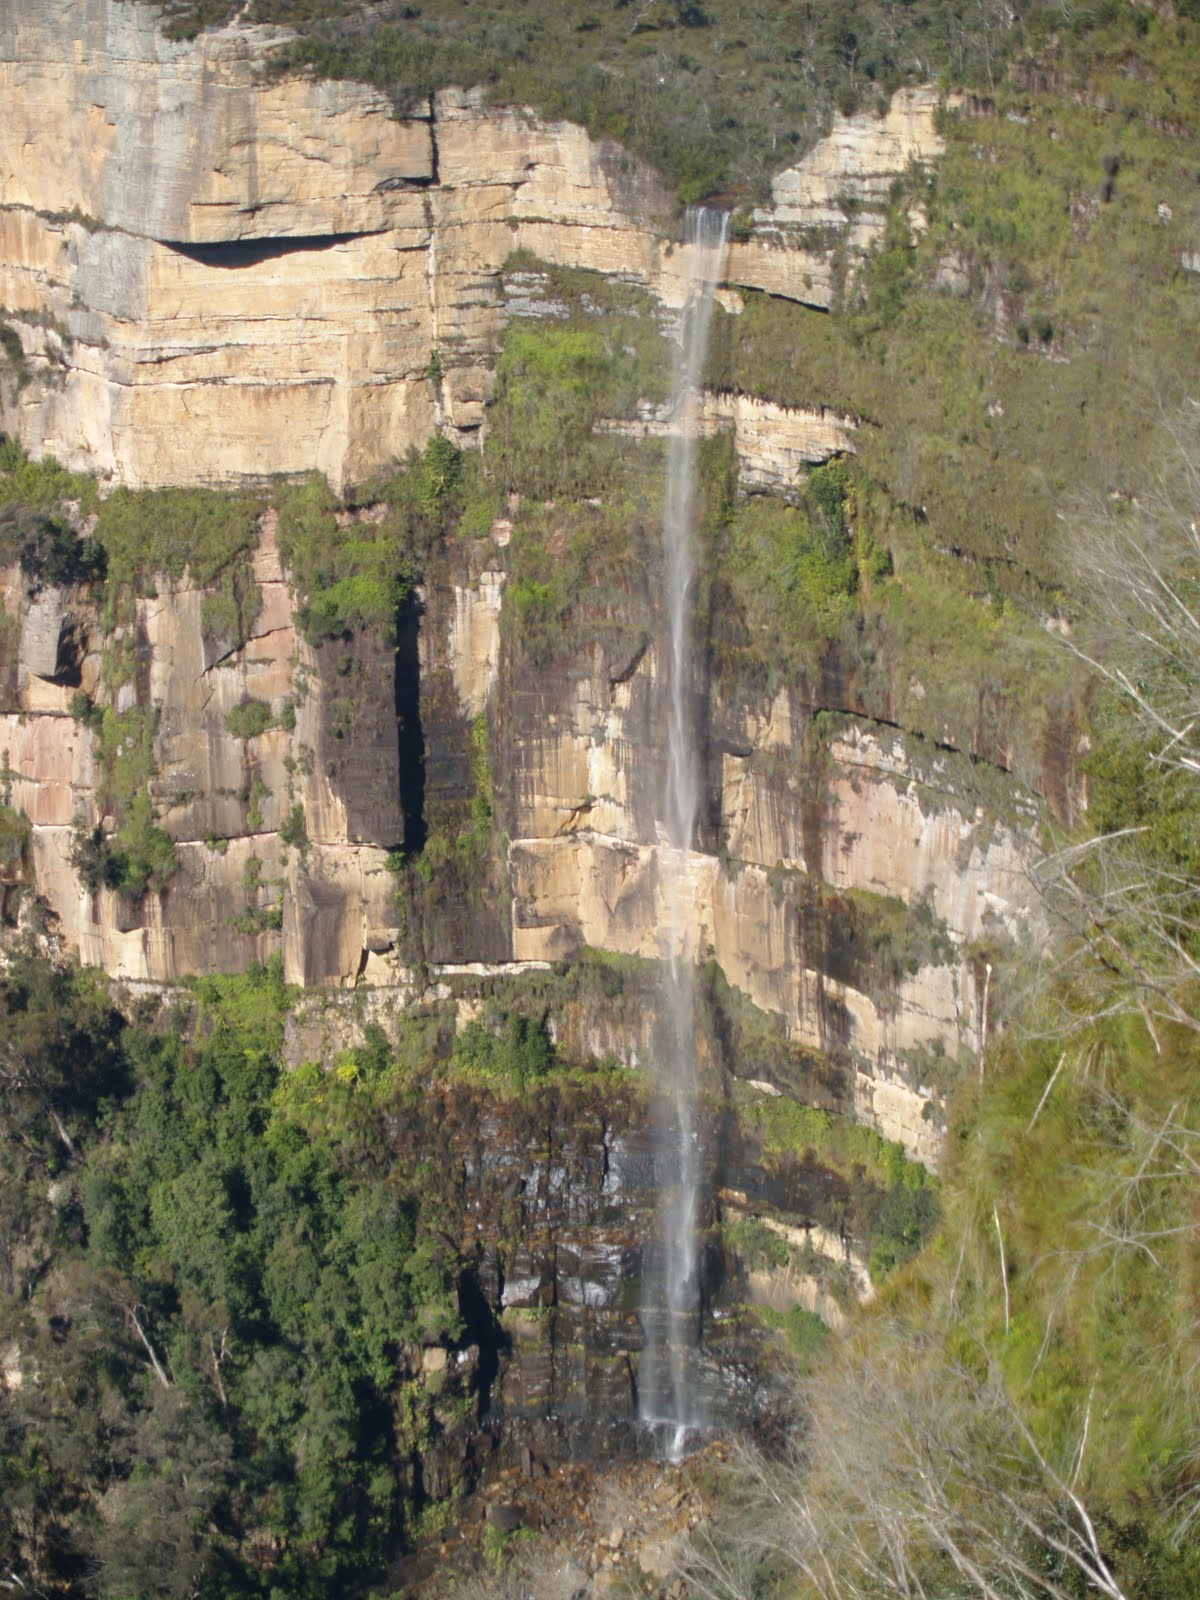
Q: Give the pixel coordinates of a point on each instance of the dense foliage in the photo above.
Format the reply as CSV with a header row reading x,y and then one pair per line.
x,y
210,1275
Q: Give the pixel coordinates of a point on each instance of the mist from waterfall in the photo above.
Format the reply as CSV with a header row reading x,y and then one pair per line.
x,y
670,1399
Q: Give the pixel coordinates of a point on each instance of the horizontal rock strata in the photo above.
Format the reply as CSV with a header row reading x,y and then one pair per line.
x,y
216,274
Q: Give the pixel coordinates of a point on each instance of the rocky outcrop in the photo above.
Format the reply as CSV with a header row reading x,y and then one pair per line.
x,y
773,445
239,891
216,274
820,828
550,1197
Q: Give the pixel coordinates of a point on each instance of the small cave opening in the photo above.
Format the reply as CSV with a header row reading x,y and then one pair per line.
x,y
410,734
235,253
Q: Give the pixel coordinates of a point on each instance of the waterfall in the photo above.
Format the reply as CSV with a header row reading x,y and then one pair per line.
x,y
670,1399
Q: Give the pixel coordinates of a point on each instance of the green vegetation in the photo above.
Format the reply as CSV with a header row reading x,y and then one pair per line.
x,y
40,483
558,375
518,1055
34,532
1046,1338
14,841
353,566
219,1314
804,1331
788,576
137,856
292,830
138,533
348,576
250,719
13,363
15,861
585,544
714,93
890,1201
977,432
223,1294
461,834
1021,1405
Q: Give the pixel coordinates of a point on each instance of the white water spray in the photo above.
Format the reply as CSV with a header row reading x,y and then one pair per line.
x,y
670,1397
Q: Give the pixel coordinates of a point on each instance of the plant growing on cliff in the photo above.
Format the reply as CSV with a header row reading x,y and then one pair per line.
x,y
351,572
204,532
251,719
137,858
513,1056
292,830
715,95
41,483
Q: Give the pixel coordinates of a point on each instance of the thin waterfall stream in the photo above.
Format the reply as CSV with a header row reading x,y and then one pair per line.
x,y
670,1397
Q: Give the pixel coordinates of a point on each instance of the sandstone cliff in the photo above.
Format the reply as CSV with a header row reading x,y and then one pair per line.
x,y
215,274
227,276
799,820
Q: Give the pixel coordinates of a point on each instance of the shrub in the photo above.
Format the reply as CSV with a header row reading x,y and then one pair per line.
x,y
48,551
40,483
14,842
137,858
292,830
349,577
250,719
202,531
520,1053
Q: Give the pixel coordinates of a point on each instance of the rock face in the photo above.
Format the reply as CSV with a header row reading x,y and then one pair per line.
x,y
222,798
550,1197
215,274
808,839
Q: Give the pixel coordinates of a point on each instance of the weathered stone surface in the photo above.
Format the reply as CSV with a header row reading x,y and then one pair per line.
x,y
222,799
850,171
218,275
774,445
41,628
185,141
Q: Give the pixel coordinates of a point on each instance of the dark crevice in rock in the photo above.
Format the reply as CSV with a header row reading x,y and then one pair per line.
x,y
483,1330
410,734
390,185
626,671
68,666
251,252
435,176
